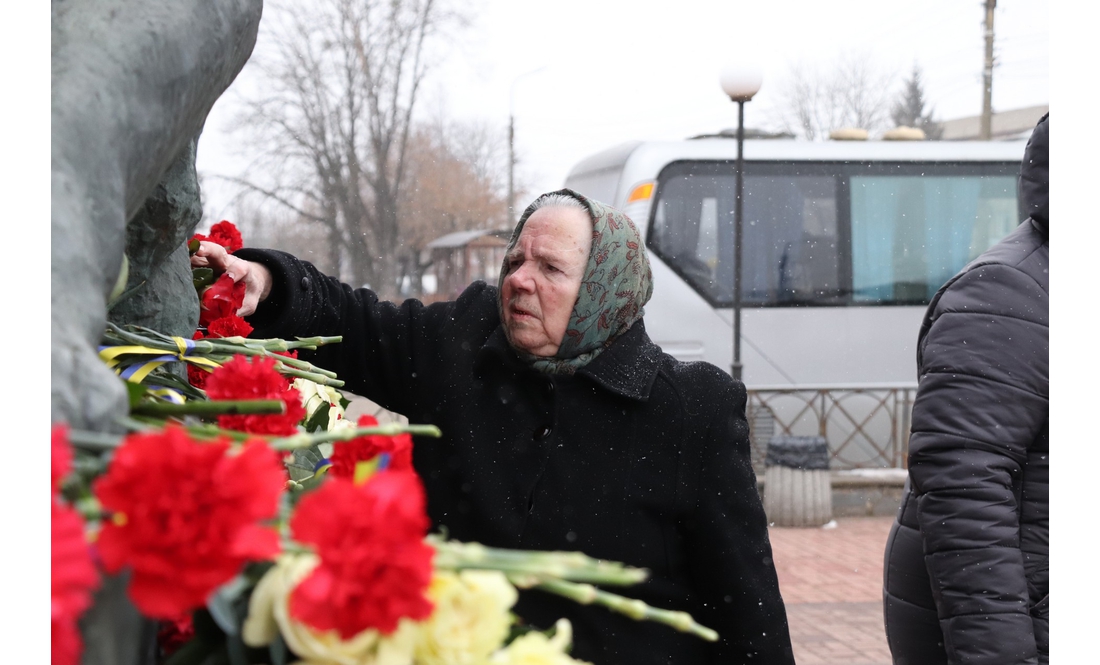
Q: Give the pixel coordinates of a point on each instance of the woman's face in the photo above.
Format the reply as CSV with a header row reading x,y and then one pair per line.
x,y
544,273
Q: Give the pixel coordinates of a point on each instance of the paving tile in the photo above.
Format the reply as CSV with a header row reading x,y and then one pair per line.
x,y
831,581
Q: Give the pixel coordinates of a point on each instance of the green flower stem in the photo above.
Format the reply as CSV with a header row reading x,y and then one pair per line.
x,y
303,440
316,378
291,547
285,366
94,441
89,508
221,349
138,423
533,567
276,344
586,594
243,347
303,366
209,408
141,335
141,423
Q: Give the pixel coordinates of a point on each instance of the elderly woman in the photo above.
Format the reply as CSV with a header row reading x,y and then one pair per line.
x,y
564,426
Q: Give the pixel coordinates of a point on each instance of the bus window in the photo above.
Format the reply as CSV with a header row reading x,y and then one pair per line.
x,y
790,240
790,236
821,233
910,234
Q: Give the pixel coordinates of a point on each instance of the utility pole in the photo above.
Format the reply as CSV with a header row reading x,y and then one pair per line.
x,y
511,167
512,142
986,131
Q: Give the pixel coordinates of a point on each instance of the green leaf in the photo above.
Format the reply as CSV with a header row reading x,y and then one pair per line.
x,y
319,419
202,277
518,629
192,246
238,653
194,652
303,462
115,301
278,650
123,277
163,377
136,392
255,570
223,607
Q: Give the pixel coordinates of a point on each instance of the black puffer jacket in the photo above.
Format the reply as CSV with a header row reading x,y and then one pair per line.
x,y
637,458
966,570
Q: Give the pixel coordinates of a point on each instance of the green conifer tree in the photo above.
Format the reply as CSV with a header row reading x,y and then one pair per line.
x,y
909,109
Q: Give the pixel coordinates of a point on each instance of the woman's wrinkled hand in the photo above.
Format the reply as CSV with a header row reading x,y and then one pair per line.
x,y
256,276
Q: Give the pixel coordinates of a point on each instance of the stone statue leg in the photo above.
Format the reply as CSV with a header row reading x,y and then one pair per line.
x,y
161,293
132,84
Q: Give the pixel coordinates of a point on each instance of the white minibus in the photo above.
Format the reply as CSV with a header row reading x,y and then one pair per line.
x,y
844,244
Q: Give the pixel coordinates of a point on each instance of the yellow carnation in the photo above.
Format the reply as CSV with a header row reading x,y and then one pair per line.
x,y
268,615
470,619
535,648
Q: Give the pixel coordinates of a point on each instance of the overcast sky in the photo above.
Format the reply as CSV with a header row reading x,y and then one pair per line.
x,y
617,70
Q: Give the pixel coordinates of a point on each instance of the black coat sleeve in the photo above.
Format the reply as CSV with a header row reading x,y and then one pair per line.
x,y
981,402
389,350
726,533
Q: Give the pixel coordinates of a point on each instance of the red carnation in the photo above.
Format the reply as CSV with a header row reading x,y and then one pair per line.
x,y
229,326
375,566
61,455
72,575
185,516
225,234
72,579
196,375
241,379
173,634
222,298
346,454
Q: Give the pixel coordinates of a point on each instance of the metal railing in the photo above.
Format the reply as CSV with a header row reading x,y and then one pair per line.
x,y
866,426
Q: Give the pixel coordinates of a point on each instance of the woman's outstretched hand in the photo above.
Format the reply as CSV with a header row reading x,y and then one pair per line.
x,y
256,276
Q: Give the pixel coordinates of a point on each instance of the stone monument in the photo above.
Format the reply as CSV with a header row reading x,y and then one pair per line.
x,y
132,84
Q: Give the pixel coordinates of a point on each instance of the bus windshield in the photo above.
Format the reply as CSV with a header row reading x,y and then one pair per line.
x,y
818,233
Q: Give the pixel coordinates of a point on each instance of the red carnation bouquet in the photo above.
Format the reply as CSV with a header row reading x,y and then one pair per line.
x,y
225,234
72,574
184,516
374,564
220,298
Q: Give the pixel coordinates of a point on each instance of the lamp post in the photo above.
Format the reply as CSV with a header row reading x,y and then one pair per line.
x,y
512,141
740,82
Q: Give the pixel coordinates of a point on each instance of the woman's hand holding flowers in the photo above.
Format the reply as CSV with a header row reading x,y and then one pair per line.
x,y
256,277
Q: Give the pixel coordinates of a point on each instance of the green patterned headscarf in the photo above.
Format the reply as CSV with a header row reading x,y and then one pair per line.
x,y
617,283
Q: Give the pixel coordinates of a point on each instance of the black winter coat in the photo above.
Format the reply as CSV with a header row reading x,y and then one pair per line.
x,y
966,570
637,458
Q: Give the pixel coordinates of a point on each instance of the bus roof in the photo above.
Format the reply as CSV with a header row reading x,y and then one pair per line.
x,y
654,155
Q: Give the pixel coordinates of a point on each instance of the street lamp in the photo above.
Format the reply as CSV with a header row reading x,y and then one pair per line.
x,y
740,82
512,141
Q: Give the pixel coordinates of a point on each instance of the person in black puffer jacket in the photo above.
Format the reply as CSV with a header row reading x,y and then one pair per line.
x,y
966,563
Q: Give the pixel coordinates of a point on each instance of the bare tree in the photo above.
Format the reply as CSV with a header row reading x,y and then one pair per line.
x,y
815,100
273,226
459,170
456,173
332,122
909,108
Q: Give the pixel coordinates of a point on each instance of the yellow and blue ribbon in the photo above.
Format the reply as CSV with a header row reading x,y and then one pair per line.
x,y
138,371
321,467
